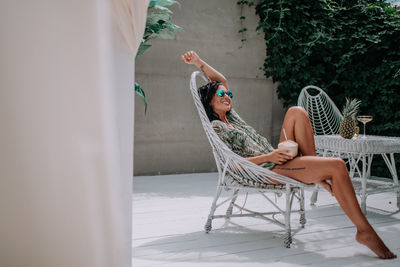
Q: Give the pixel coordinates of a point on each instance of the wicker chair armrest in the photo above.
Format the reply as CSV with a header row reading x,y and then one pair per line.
x,y
247,172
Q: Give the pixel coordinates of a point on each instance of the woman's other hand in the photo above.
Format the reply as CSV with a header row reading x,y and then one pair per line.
x,y
212,74
191,57
278,157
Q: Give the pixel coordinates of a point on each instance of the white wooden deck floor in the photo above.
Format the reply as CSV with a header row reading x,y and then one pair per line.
x,y
169,213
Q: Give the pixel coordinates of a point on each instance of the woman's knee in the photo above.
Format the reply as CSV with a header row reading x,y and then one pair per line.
x,y
297,111
338,165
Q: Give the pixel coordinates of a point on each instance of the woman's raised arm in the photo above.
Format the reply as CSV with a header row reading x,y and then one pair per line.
x,y
191,57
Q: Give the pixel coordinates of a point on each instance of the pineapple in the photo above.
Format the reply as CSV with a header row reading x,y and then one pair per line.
x,y
348,124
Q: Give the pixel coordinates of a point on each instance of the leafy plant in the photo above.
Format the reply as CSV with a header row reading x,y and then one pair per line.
x,y
349,48
157,26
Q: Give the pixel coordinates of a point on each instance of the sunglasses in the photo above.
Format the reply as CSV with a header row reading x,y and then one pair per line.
x,y
221,93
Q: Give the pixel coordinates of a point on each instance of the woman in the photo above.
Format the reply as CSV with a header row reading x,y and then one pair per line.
x,y
331,173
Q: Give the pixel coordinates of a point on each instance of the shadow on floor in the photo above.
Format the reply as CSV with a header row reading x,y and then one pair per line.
x,y
237,244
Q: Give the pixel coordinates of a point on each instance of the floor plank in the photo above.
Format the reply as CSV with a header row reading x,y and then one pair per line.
x,y
169,213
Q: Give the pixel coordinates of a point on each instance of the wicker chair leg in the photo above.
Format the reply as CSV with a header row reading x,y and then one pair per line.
x,y
303,219
230,208
287,241
398,198
287,238
314,196
364,203
208,225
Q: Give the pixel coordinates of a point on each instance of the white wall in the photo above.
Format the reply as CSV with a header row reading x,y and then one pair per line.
x,y
66,136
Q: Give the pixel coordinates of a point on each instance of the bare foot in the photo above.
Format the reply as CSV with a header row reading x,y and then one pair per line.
x,y
374,243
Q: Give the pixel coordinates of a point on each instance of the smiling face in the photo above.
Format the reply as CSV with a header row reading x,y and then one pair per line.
x,y
221,105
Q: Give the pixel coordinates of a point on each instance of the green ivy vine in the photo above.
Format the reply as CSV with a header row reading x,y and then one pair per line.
x,y
242,31
350,48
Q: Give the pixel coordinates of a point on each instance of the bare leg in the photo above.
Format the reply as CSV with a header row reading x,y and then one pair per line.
x,y
311,169
298,128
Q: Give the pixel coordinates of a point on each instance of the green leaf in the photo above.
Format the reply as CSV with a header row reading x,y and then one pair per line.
x,y
163,9
155,28
163,3
141,93
143,47
154,17
173,27
166,34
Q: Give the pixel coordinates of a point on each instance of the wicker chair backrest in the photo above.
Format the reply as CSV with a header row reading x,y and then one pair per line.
x,y
325,117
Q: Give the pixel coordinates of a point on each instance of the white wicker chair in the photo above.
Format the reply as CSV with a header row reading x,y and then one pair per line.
x,y
241,175
325,117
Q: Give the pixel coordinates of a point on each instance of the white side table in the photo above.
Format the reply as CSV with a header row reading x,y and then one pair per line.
x,y
361,151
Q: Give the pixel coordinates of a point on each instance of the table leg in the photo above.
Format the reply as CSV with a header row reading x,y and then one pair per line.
x,y
355,159
364,185
369,161
395,179
391,164
352,167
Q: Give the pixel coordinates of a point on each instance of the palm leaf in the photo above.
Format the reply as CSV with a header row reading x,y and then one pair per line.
x,y
156,16
143,47
141,93
153,3
173,27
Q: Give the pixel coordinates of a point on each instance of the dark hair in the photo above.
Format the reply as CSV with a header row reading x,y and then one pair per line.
x,y
207,93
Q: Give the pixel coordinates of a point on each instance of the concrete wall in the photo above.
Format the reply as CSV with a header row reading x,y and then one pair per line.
x,y
170,139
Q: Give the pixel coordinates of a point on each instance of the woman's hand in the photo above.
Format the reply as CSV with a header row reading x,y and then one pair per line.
x,y
278,157
191,58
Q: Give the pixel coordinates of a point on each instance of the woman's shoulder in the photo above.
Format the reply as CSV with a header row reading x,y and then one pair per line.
x,y
234,117
217,124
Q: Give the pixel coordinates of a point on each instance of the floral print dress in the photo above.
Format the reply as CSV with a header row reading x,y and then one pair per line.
x,y
242,139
